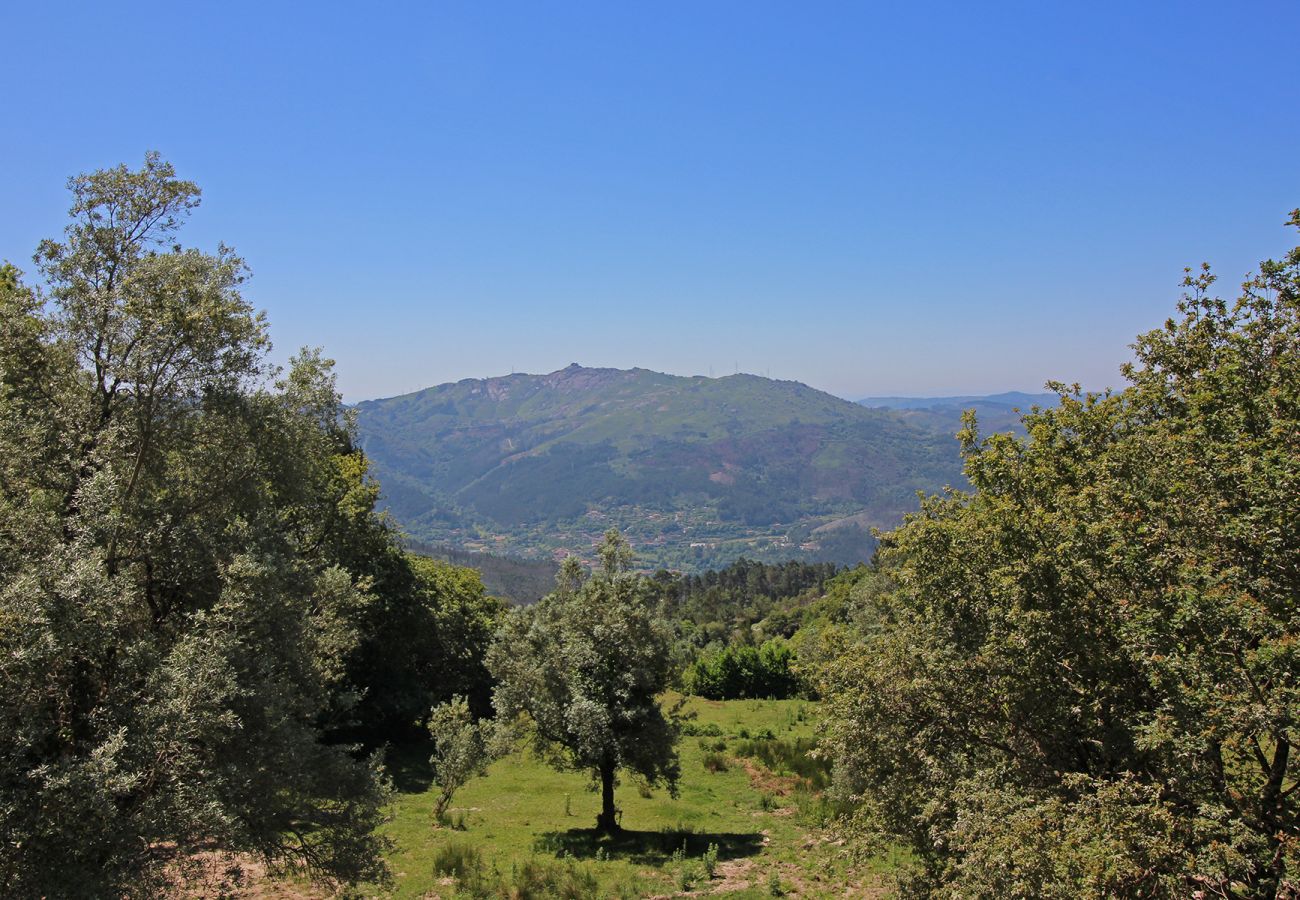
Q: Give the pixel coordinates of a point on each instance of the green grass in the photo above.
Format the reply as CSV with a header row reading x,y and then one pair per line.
x,y
526,820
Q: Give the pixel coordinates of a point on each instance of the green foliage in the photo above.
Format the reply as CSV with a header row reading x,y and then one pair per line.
x,y
179,601
562,880
459,860
587,665
685,872
519,581
463,748
737,672
688,873
725,605
534,879
710,860
462,622
1084,679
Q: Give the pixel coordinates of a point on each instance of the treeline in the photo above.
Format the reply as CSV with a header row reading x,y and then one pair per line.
x,y
732,622
736,672
507,577
722,604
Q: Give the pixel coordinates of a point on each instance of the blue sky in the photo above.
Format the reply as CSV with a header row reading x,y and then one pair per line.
x,y
873,199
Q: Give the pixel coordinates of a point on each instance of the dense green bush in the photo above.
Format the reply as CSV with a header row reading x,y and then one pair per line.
x,y
1084,677
745,671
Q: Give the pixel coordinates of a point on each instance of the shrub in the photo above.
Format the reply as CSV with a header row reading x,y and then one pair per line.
x,y
710,860
459,860
745,671
685,873
537,879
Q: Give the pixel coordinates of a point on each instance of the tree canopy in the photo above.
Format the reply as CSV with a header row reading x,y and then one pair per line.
x,y
1083,678
194,585
587,664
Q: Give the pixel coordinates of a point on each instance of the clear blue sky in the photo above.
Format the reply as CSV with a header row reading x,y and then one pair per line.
x,y
873,199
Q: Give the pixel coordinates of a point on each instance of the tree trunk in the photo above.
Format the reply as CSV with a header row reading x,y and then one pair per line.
x,y
608,819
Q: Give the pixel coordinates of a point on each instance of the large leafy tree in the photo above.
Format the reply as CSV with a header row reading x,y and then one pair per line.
x,y
187,565
1083,679
587,664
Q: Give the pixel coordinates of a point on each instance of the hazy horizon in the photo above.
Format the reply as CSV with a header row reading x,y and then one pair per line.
x,y
853,399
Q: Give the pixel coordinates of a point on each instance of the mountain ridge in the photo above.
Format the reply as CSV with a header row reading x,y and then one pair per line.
x,y
697,470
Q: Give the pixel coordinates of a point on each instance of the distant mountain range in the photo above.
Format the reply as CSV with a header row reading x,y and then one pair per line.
x,y
1009,400
696,471
993,412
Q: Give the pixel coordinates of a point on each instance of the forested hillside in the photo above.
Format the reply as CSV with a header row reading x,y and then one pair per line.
x,y
696,471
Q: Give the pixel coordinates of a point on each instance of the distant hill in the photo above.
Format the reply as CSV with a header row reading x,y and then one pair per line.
x,y
942,415
697,471
1008,399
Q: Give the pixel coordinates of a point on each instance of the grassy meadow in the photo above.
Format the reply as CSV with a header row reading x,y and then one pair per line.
x,y
529,828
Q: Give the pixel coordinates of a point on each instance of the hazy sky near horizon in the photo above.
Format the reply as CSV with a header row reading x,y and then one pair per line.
x,y
873,199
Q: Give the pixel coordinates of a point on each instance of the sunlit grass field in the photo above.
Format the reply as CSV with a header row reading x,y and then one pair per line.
x,y
525,816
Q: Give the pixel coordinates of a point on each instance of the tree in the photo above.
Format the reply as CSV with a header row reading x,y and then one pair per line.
x,y
587,664
180,589
1084,678
463,748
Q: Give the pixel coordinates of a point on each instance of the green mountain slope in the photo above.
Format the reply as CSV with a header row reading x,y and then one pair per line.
x,y
696,470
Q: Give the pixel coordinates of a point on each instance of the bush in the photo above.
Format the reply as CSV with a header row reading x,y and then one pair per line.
x,y
685,873
457,860
715,762
817,809
745,671
710,860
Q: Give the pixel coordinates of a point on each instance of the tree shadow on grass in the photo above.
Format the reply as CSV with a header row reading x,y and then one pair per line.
x,y
408,766
647,847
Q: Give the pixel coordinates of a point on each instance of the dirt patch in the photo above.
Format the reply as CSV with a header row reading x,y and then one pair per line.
x,y
800,883
763,779
212,874
733,875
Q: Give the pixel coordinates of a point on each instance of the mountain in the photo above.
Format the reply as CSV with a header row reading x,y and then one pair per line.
x,y
1009,399
942,415
697,471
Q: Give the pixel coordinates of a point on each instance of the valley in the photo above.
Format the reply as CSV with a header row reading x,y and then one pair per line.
x,y
695,471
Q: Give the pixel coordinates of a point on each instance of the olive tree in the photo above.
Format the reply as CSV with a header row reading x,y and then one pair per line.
x,y
463,748
587,664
